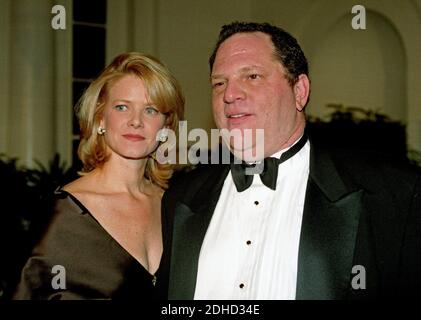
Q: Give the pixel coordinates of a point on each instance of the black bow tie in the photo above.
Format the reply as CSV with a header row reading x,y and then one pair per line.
x,y
242,173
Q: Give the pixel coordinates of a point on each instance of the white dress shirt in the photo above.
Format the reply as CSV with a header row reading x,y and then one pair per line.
x,y
250,250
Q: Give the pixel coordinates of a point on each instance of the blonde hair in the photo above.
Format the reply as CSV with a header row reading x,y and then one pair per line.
x,y
163,91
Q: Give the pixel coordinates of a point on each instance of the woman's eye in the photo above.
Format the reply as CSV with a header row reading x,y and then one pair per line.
x,y
151,110
121,107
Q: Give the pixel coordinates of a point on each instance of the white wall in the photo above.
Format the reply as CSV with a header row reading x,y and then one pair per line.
x,y
394,28
364,68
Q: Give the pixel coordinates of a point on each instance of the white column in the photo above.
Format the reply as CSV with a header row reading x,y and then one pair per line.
x,y
4,74
31,114
63,74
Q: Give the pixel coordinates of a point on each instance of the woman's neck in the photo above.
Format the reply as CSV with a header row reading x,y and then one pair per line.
x,y
123,175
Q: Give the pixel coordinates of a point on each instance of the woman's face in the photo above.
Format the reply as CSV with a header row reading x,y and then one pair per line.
x,y
131,121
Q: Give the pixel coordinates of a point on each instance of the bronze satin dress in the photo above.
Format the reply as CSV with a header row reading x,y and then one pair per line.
x,y
96,266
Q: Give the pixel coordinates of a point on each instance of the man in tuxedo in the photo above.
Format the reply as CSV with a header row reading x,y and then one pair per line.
x,y
315,224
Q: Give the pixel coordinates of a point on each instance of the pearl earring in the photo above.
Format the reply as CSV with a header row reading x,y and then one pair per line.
x,y
163,135
101,131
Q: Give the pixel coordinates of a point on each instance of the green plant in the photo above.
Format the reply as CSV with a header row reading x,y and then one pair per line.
x,y
414,157
42,181
354,127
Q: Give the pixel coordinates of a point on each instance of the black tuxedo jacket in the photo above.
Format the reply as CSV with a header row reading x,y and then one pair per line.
x,y
361,225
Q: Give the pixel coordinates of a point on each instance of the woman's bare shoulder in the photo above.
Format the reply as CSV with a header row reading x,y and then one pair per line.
x,y
84,184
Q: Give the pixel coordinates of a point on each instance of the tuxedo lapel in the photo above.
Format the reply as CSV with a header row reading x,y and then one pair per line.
x,y
191,221
328,232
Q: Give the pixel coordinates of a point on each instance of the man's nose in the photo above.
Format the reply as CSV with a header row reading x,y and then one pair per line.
x,y
233,91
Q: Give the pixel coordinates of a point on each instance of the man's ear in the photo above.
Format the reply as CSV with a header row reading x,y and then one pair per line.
x,y
301,92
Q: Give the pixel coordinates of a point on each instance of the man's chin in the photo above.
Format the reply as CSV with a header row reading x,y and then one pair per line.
x,y
250,154
246,144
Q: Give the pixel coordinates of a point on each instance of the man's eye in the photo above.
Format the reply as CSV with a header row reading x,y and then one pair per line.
x,y
121,107
217,84
254,76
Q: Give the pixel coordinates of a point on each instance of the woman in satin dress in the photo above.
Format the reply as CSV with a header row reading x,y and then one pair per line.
x,y
104,239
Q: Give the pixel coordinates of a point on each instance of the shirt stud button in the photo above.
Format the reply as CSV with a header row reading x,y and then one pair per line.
x,y
241,285
248,242
256,203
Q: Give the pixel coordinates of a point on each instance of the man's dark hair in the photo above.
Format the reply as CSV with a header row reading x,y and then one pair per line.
x,y
287,49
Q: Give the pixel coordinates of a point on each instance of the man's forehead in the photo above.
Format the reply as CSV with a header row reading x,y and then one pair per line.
x,y
249,50
245,40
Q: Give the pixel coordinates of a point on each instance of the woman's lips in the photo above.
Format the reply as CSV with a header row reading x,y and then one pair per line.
x,y
133,137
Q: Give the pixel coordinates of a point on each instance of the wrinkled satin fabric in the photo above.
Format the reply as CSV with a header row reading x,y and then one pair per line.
x,y
90,263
